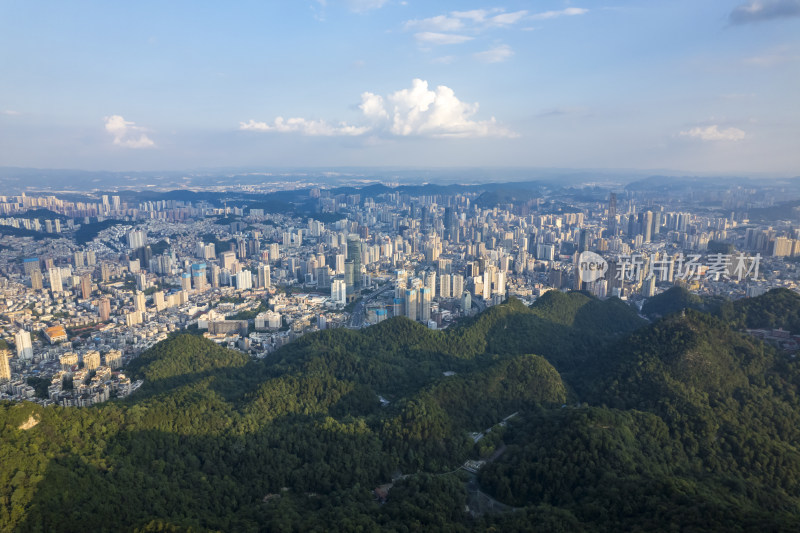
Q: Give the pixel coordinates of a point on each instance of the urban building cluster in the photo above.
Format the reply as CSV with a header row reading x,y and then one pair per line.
x,y
75,309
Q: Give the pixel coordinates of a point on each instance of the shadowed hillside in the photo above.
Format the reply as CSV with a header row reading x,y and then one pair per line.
x,y
617,425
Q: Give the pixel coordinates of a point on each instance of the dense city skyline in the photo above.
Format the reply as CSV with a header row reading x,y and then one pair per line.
x,y
697,88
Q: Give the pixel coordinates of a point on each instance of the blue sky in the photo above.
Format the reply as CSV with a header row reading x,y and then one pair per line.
x,y
706,87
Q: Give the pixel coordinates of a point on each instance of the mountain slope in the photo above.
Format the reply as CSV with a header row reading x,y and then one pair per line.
x,y
683,423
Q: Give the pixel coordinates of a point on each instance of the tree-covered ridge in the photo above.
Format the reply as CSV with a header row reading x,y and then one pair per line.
x,y
518,383
566,328
704,434
183,355
684,423
695,351
778,308
612,470
672,301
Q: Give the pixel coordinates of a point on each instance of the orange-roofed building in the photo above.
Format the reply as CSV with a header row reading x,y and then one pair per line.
x,y
55,334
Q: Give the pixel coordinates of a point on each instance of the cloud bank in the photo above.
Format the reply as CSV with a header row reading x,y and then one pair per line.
x,y
761,10
415,111
301,125
713,133
477,20
458,27
126,133
433,37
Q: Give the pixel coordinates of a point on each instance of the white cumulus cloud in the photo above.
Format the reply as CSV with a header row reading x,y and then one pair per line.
x,y
372,106
496,54
713,133
439,113
126,133
415,111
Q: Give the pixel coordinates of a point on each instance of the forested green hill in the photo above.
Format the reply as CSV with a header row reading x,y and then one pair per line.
x,y
672,301
779,308
681,424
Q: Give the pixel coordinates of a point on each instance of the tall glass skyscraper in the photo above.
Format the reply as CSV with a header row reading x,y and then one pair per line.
x,y
354,255
612,214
